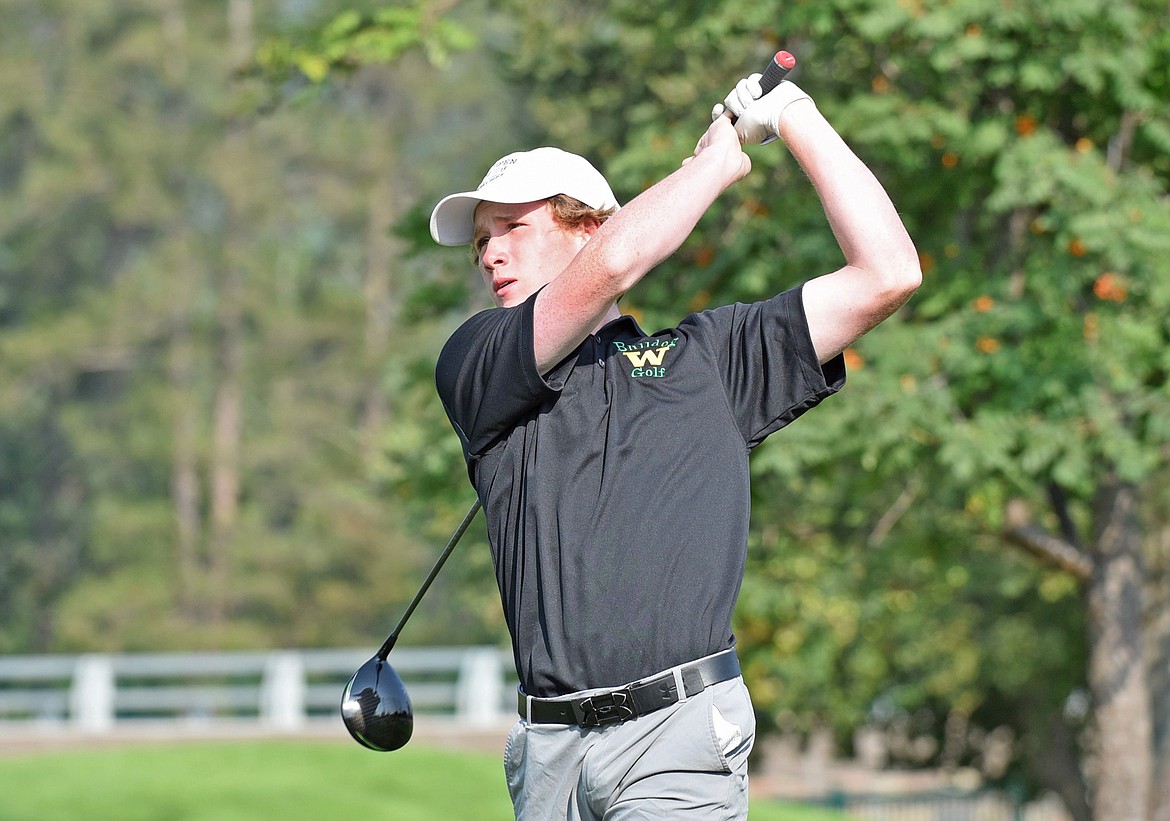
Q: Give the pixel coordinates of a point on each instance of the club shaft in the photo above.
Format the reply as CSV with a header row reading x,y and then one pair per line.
x,y
388,645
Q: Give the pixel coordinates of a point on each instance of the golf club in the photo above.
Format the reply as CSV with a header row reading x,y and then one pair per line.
x,y
375,706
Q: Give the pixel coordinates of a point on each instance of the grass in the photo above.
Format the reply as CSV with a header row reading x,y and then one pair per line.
x,y
249,780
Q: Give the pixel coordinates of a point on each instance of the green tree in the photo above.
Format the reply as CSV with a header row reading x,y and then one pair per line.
x,y
198,348
1047,235
1026,145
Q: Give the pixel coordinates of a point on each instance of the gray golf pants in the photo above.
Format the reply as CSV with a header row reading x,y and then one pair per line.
x,y
685,761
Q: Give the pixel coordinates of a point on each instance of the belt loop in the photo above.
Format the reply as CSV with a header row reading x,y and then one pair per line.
x,y
679,686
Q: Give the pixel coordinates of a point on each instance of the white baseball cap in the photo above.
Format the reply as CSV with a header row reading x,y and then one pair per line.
x,y
525,176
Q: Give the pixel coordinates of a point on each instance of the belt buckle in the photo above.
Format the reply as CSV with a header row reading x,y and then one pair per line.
x,y
603,708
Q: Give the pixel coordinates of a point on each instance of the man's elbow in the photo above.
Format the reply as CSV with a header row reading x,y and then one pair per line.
x,y
908,279
617,266
889,287
900,274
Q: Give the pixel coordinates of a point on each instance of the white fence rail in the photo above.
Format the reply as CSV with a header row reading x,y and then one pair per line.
x,y
281,690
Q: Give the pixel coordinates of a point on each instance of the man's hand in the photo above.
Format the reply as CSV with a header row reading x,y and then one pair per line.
x,y
721,139
757,118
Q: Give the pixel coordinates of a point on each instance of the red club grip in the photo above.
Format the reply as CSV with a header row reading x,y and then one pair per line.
x,y
777,70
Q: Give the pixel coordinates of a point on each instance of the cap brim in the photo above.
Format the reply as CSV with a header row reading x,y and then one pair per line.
x,y
523,176
453,220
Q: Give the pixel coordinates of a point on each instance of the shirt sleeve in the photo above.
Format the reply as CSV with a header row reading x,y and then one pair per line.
x,y
487,376
765,356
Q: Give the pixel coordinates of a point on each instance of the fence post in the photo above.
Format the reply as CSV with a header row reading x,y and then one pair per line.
x,y
479,693
91,695
282,691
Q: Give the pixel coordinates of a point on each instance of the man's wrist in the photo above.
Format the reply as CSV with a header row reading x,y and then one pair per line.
x,y
794,111
796,102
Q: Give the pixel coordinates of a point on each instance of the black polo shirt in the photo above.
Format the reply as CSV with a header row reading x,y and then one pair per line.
x,y
616,485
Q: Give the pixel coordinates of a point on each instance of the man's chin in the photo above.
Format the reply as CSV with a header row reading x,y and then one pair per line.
x,y
510,299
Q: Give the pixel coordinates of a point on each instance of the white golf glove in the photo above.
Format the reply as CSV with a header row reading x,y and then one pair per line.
x,y
758,117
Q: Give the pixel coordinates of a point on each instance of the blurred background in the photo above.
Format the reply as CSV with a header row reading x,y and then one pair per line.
x,y
220,311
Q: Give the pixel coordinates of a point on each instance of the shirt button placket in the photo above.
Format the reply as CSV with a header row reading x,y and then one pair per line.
x,y
600,358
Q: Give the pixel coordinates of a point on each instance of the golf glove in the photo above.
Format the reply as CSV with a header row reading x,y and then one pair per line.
x,y
758,117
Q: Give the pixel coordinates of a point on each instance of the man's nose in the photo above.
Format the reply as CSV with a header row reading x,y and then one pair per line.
x,y
493,254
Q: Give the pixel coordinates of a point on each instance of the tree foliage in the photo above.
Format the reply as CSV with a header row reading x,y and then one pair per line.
x,y
1018,399
354,39
198,353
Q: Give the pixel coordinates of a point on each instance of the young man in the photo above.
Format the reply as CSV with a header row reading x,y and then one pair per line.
x,y
613,465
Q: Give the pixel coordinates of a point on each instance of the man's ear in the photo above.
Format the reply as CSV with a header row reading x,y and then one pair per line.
x,y
589,226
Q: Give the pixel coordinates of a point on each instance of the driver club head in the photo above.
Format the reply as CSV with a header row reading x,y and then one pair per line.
x,y
375,707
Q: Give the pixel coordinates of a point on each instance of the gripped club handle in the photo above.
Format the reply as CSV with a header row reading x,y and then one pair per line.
x,y
777,70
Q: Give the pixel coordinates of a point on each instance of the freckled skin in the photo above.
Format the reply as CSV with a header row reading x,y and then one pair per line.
x,y
520,248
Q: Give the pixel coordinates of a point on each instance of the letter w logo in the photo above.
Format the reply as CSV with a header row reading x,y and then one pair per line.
x,y
643,358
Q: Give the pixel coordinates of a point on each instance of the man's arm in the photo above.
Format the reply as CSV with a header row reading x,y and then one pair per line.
x,y
632,242
881,268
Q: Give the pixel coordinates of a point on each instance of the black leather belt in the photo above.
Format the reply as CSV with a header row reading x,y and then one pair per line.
x,y
635,699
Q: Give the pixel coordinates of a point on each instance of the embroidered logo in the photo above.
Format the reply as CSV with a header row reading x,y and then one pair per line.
x,y
647,356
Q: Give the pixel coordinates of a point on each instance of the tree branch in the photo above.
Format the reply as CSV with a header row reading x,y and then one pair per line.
x,y
1051,550
890,518
1120,143
1058,498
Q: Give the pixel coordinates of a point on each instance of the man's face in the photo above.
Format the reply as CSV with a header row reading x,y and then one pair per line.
x,y
520,247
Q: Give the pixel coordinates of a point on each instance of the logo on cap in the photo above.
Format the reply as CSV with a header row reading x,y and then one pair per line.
x,y
497,171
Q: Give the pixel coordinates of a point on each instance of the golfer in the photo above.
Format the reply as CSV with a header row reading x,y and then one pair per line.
x,y
612,464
